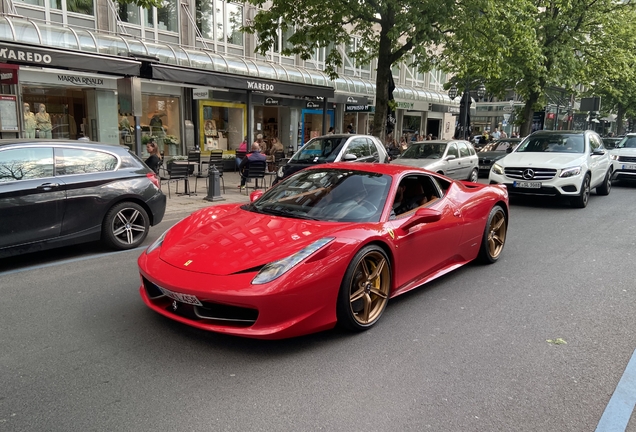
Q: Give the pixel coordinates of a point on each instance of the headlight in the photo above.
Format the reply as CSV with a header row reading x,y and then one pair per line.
x,y
613,156
278,268
570,172
157,243
497,169
281,172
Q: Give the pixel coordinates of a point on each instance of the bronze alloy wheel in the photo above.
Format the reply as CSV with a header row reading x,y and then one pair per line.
x,y
496,234
369,288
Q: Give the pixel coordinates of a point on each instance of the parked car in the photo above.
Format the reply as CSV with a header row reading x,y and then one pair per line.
x,y
334,148
456,159
494,151
56,193
328,246
556,163
611,142
624,158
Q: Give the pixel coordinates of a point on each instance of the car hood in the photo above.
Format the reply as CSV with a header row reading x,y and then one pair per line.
x,y
491,155
223,240
624,152
544,160
419,163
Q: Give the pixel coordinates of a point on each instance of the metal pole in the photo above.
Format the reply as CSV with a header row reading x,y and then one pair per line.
x,y
466,108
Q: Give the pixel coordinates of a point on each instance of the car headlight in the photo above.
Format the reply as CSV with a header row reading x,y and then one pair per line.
x,y
157,243
613,156
497,169
570,172
278,268
280,173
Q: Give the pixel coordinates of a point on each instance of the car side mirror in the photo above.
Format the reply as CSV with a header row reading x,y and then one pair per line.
x,y
598,152
422,216
509,150
349,157
256,195
450,157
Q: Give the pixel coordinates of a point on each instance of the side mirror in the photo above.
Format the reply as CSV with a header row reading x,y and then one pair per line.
x,y
598,152
450,157
349,157
256,195
422,216
509,150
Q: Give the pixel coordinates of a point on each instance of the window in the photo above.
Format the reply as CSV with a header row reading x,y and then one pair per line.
x,y
76,161
26,164
595,143
78,6
359,148
452,150
165,18
463,150
222,17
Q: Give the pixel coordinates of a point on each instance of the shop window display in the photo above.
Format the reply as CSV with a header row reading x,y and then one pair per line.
x,y
222,126
53,113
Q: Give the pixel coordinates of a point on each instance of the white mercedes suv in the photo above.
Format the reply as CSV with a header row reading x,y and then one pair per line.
x,y
556,163
623,158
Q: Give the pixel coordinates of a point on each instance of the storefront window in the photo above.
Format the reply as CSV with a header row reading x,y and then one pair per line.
x,y
312,123
160,119
351,123
223,125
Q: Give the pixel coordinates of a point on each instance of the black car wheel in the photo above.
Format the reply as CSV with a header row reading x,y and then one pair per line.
x,y
125,226
364,292
581,200
474,176
606,186
494,238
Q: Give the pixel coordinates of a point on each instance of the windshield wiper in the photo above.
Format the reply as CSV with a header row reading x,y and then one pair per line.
x,y
283,213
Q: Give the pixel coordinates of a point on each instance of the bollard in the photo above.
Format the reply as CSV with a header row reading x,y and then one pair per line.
x,y
214,190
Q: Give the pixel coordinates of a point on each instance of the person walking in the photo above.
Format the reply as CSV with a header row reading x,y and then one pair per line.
x,y
154,160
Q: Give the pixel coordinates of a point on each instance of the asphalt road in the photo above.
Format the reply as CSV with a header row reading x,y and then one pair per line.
x,y
80,352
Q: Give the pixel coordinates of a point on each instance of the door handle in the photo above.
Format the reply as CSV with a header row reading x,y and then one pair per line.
x,y
48,186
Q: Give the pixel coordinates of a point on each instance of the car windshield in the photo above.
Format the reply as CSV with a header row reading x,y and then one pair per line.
x,y
320,150
627,142
337,195
499,146
556,143
611,143
424,151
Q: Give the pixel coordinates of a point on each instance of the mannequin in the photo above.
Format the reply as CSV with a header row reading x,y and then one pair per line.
x,y
43,120
29,122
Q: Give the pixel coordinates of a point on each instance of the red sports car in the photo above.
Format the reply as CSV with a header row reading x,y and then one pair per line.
x,y
329,245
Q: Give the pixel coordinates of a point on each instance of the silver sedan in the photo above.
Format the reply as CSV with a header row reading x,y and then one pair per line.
x,y
456,159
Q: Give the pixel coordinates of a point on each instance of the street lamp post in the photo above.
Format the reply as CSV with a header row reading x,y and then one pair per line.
x,y
452,93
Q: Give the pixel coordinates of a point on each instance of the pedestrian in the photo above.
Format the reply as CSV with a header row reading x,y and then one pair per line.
x,y
242,148
154,160
331,131
496,134
252,156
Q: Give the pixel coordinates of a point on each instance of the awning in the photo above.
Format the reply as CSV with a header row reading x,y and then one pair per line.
x,y
214,79
29,55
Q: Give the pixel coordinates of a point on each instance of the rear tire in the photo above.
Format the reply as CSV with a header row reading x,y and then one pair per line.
x,y
606,186
125,226
364,292
582,199
494,238
474,176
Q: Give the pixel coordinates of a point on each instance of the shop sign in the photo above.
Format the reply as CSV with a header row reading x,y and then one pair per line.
x,y
24,55
359,108
8,75
79,80
260,86
313,105
201,93
272,101
405,105
444,108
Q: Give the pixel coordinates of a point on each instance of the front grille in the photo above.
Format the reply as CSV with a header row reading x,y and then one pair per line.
x,y
217,313
539,173
627,159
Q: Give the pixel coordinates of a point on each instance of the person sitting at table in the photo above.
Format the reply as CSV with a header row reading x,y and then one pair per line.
x,y
252,156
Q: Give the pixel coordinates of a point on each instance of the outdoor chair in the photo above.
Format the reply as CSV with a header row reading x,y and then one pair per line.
x,y
255,170
194,160
177,173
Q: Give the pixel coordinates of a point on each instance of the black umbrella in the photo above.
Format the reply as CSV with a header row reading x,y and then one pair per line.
x,y
463,129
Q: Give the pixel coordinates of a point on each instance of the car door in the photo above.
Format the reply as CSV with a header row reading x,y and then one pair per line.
x,y
452,169
359,147
465,162
425,248
599,164
32,200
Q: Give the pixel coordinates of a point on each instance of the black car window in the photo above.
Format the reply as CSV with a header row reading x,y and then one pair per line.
x,y
463,150
452,150
80,161
359,147
26,163
320,150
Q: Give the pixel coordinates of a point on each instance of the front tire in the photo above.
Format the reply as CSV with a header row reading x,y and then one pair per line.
x,y
494,238
474,176
364,292
582,199
606,186
125,226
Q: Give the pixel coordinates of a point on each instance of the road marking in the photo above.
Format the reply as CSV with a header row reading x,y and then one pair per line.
x,y
67,261
621,405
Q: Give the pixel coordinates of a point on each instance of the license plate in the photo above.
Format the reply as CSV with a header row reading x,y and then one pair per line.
x,y
183,298
631,167
484,166
530,185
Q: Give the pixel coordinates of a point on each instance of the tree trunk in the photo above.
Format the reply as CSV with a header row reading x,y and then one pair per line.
x,y
620,128
528,113
382,86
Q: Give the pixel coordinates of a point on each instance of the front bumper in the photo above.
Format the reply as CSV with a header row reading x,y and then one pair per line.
x,y
556,186
623,170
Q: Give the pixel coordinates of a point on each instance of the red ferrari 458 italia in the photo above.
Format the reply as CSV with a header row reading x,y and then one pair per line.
x,y
329,245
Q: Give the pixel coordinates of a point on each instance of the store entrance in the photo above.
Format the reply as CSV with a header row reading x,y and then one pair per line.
x,y
433,127
312,123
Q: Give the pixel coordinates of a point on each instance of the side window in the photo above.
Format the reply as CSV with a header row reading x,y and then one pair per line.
x,y
463,150
26,163
442,184
359,147
595,143
452,150
77,161
414,191
472,150
375,152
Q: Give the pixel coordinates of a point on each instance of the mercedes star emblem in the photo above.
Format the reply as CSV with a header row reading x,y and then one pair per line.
x,y
528,174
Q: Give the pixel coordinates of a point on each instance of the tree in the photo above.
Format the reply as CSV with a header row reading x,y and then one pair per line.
x,y
389,30
527,46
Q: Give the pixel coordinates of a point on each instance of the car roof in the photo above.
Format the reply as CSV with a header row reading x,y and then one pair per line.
x,y
343,135
40,142
379,168
561,132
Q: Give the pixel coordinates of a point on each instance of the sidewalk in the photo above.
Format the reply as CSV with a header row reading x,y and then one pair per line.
x,y
190,203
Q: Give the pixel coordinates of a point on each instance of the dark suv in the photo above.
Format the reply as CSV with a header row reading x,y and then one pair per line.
x,y
56,193
335,148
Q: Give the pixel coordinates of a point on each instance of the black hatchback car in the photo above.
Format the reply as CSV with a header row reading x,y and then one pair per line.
x,y
56,193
